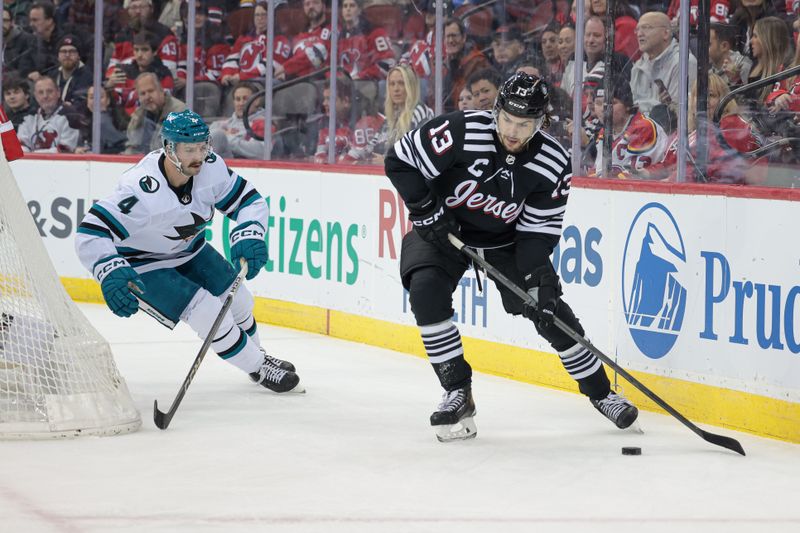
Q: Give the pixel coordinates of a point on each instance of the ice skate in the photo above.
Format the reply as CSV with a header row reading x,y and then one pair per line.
x,y
618,409
280,363
276,379
453,418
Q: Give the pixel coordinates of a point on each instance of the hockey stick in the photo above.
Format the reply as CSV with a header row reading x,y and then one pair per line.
x,y
161,419
719,440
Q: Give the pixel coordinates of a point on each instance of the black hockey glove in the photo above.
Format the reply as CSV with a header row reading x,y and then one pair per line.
x,y
544,287
432,221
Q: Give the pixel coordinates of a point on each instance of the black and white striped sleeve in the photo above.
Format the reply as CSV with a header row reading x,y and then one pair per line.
x,y
423,154
540,224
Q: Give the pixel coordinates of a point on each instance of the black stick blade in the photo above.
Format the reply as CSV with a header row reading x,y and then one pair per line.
x,y
725,442
160,419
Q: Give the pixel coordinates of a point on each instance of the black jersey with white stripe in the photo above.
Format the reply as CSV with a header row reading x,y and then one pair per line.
x,y
497,197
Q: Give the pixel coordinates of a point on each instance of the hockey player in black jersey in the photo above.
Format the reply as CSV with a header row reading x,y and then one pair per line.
x,y
500,183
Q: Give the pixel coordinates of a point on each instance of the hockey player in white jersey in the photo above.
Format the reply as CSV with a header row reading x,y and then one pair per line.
x,y
146,243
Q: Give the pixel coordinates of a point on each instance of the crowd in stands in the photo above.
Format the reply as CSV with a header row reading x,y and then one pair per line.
x,y
385,78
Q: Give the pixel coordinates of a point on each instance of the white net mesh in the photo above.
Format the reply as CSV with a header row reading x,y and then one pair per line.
x,y
57,374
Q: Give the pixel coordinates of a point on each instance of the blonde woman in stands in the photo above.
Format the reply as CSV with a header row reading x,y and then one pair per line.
x,y
403,112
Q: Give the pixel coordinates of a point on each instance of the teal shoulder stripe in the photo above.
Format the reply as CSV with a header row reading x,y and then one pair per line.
x,y
110,219
234,190
96,233
244,204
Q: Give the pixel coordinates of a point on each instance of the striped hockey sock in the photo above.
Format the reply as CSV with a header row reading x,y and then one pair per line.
x,y
248,325
579,362
443,345
234,346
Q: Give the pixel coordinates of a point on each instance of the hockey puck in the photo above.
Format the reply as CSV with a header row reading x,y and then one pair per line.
x,y
632,450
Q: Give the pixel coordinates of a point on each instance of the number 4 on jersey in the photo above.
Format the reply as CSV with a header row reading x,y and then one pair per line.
x,y
127,204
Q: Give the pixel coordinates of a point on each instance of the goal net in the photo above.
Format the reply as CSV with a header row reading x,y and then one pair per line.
x,y
57,374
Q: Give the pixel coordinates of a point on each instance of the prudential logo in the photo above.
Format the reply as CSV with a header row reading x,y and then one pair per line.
x,y
653,294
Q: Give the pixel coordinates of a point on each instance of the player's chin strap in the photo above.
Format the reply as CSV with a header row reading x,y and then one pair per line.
x,y
169,150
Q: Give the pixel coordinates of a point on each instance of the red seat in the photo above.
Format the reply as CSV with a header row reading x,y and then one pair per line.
x,y
240,21
388,17
290,20
479,23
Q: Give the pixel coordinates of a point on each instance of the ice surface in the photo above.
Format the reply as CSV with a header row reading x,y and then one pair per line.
x,y
356,454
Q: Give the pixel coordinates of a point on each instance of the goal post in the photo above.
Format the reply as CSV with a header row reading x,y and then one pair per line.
x,y
57,373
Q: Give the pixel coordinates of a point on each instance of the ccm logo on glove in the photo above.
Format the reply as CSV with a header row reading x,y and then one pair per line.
x,y
431,219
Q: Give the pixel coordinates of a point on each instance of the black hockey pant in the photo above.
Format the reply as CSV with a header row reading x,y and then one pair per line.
x,y
432,276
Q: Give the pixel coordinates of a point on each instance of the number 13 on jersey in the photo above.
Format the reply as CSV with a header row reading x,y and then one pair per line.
x,y
441,143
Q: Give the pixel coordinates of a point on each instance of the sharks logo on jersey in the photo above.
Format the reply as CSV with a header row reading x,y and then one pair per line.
x,y
188,232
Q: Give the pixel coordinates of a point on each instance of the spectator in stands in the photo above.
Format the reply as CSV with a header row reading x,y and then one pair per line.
x,y
144,130
484,85
365,53
17,99
566,44
744,18
726,61
229,136
465,100
594,68
47,130
638,141
554,66
655,76
47,34
725,164
18,47
625,41
122,77
461,60
530,68
19,11
343,140
403,112
113,124
140,18
210,53
310,49
246,59
508,50
73,78
769,45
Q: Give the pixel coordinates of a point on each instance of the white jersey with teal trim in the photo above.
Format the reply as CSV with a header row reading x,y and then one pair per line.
x,y
153,225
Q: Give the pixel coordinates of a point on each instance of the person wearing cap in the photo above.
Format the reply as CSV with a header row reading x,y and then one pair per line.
x,y
155,104
508,50
48,34
18,47
638,141
73,78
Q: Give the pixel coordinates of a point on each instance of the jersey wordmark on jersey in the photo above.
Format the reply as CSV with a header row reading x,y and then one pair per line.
x,y
154,225
497,197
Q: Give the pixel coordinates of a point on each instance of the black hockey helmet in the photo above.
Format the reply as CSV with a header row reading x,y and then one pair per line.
x,y
523,95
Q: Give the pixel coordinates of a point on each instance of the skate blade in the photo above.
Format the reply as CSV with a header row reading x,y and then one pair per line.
x,y
634,428
463,430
